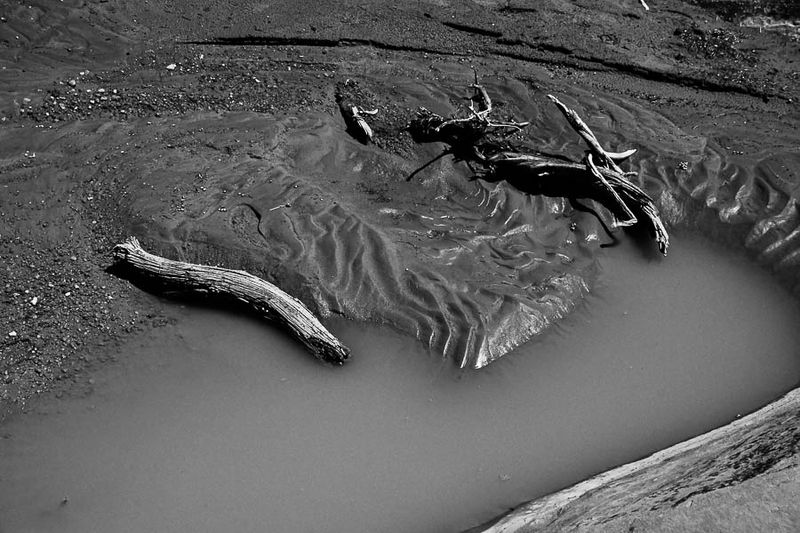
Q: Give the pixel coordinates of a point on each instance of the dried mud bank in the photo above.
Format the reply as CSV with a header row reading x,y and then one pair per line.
x,y
236,155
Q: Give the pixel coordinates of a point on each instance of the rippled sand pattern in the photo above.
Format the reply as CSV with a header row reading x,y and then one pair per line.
x,y
471,269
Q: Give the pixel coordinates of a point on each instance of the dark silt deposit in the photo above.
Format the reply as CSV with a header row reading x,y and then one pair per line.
x,y
213,134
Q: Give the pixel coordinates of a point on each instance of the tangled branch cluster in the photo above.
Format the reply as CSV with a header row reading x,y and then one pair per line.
x,y
481,143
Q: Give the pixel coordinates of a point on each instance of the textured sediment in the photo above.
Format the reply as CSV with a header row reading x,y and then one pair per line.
x,y
236,155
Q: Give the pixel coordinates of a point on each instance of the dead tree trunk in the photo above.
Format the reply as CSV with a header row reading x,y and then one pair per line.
x,y
260,295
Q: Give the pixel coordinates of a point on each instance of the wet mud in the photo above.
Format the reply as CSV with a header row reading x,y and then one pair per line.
x,y
213,135
472,269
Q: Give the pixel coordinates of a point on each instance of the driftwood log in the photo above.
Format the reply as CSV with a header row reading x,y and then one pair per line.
x,y
480,142
260,295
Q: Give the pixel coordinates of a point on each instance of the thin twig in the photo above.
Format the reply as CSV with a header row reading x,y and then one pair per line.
x,y
429,163
586,134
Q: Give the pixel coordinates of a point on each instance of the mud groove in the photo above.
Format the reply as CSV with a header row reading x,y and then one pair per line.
x,y
474,30
590,63
516,10
315,42
566,57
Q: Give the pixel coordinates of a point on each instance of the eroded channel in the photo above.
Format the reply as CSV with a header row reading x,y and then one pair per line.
x,y
219,423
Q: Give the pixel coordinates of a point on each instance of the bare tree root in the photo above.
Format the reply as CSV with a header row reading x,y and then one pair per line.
x,y
478,140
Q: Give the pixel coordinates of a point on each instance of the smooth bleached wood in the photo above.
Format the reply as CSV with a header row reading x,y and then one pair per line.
x,y
262,296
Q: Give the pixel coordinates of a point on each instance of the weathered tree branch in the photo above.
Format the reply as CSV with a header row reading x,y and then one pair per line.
x,y
630,219
548,176
580,127
257,293
475,139
430,127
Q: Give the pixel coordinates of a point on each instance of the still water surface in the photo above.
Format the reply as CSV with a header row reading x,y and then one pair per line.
x,y
221,424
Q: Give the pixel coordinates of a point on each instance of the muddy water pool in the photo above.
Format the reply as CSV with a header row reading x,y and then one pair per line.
x,y
219,423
